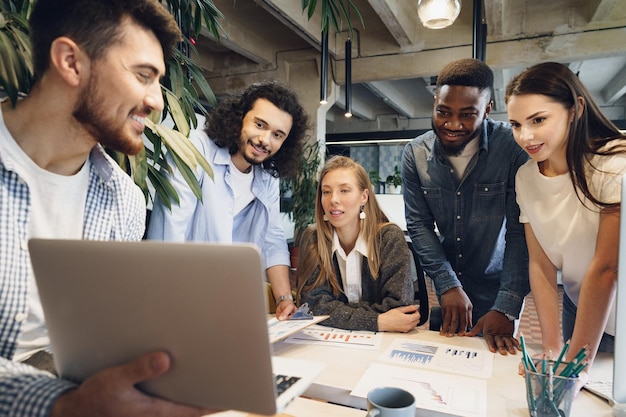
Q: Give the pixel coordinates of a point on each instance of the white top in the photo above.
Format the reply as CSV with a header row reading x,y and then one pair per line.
x,y
57,211
350,267
565,229
460,162
242,187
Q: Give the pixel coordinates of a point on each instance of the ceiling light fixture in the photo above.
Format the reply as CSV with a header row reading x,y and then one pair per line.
x,y
438,14
348,112
324,69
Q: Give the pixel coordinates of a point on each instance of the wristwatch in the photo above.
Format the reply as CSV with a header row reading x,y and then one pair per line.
x,y
284,297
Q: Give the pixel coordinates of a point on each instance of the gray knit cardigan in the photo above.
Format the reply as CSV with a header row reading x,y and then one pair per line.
x,y
393,287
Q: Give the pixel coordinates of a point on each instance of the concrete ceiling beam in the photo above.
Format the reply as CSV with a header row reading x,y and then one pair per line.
x,y
400,18
401,101
615,88
518,52
360,107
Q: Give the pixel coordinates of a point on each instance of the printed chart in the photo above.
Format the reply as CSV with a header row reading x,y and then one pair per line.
x,y
440,358
435,391
281,329
329,336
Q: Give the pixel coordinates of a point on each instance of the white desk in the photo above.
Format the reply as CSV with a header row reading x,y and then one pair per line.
x,y
303,407
506,395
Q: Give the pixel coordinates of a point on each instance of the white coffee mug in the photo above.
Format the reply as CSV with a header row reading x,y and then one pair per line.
x,y
390,402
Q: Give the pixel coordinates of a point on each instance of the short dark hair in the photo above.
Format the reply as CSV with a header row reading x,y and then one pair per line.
x,y
466,72
95,25
225,121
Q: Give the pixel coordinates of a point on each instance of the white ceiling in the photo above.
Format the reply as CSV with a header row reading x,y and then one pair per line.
x,y
394,56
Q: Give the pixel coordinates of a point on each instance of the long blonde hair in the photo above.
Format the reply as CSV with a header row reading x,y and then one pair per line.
x,y
317,241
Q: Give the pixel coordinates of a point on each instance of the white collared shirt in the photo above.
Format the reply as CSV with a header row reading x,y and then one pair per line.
x,y
350,267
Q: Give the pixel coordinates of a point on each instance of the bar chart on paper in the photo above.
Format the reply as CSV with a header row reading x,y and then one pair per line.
x,y
440,357
329,336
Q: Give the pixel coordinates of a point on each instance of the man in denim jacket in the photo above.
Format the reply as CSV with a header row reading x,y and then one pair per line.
x,y
461,211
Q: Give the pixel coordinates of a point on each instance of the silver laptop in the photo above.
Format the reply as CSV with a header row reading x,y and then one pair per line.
x,y
105,303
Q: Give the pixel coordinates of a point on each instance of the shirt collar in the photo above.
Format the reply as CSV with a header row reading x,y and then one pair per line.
x,y
360,246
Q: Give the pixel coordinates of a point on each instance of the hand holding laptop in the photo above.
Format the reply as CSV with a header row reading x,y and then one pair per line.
x,y
113,392
103,318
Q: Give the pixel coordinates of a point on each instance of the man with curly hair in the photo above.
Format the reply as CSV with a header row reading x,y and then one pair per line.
x,y
249,140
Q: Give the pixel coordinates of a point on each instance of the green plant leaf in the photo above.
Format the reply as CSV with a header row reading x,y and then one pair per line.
x,y
333,13
188,174
177,113
180,95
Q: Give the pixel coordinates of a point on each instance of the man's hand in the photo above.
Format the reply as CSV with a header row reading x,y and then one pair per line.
x,y
112,392
285,309
399,319
498,331
456,312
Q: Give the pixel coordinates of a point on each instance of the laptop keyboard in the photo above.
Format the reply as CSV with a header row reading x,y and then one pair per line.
x,y
603,389
283,382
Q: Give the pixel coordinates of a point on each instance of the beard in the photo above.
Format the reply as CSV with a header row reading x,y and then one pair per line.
x,y
89,112
455,149
250,159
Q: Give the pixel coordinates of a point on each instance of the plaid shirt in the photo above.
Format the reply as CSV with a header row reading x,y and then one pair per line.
x,y
115,210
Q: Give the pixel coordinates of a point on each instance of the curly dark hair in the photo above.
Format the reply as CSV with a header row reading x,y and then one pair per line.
x,y
225,121
468,72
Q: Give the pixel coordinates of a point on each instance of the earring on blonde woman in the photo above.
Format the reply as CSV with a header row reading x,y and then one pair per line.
x,y
325,218
362,213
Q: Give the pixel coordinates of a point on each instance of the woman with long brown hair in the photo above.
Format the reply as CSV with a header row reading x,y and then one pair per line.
x,y
569,194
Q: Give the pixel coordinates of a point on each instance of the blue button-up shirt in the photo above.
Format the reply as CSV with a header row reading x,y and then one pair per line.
x,y
213,219
480,244
115,209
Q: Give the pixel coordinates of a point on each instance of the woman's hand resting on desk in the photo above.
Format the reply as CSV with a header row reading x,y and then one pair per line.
x,y
112,392
399,319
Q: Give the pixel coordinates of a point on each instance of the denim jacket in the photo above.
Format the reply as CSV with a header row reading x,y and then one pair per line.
x,y
480,245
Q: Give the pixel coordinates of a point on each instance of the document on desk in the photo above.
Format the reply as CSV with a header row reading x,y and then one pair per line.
x,y
281,329
440,357
329,336
435,391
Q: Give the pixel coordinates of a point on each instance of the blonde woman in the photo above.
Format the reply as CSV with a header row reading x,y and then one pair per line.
x,y
354,264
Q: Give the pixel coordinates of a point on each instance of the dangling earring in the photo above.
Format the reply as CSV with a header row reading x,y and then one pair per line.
x,y
325,218
362,213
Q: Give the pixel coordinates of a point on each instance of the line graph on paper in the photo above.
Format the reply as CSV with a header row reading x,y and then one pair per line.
x,y
440,357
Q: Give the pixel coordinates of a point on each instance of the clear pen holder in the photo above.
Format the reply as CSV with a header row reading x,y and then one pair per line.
x,y
549,395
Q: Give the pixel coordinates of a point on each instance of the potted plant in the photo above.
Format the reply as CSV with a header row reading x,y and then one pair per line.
x,y
394,181
375,180
303,192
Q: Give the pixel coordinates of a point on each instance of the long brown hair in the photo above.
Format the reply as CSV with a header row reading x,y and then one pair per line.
x,y
590,130
317,241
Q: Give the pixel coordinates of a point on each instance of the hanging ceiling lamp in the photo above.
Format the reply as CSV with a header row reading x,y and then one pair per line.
x,y
438,14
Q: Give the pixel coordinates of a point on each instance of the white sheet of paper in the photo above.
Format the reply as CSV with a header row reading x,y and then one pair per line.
x,y
281,329
329,336
456,395
440,357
